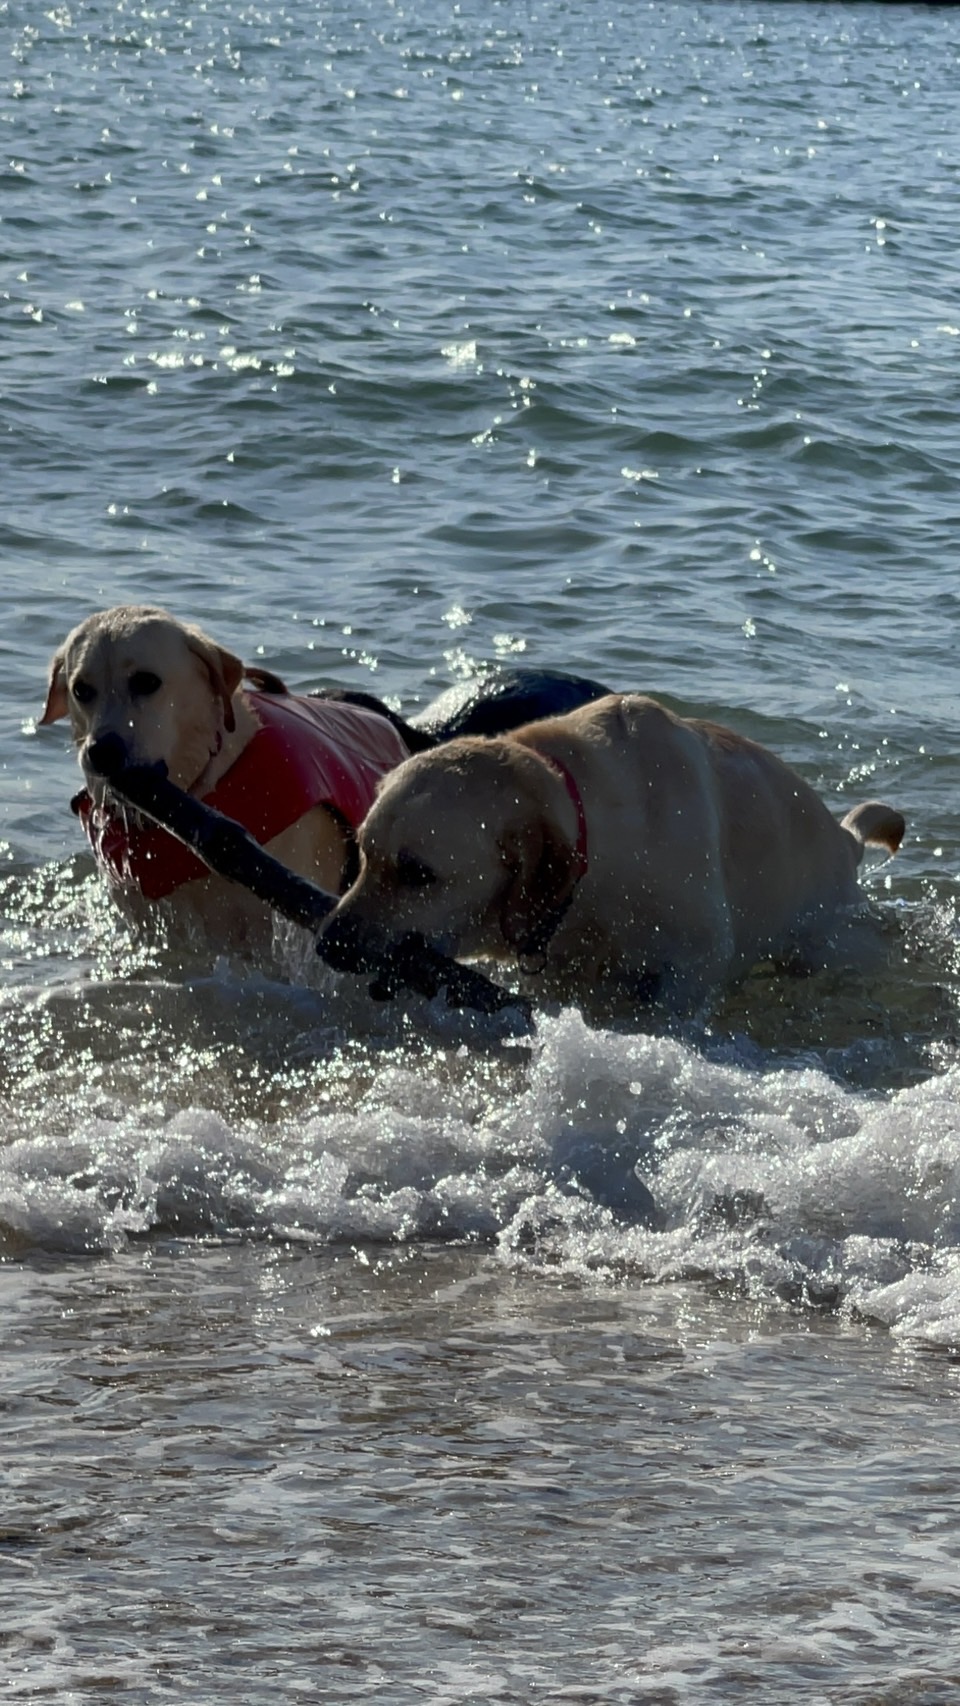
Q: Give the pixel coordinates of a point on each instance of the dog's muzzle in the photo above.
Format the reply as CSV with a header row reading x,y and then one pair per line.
x,y
106,756
401,962
341,945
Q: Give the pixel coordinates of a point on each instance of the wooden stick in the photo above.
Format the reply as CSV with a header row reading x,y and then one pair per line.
x,y
229,850
225,846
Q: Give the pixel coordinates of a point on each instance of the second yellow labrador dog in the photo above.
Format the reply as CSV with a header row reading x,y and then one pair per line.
x,y
298,772
620,847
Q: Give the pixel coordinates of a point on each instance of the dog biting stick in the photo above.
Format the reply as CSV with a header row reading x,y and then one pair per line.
x,y
228,849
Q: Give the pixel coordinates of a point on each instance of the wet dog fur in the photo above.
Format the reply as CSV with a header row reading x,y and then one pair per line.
x,y
167,691
705,854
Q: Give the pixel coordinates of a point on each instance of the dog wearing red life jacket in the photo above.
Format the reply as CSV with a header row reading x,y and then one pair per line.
x,y
300,773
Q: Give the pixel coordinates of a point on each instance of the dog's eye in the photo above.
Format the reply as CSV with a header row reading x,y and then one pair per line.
x,y
413,873
143,682
83,692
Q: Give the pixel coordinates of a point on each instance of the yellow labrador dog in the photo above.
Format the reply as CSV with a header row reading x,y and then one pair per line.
x,y
298,772
620,847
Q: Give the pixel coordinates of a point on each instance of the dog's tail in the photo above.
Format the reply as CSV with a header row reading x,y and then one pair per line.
x,y
875,825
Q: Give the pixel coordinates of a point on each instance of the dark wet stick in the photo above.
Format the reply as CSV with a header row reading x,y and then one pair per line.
x,y
223,845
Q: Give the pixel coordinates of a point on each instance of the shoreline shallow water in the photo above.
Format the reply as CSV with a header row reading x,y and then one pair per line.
x,y
412,1475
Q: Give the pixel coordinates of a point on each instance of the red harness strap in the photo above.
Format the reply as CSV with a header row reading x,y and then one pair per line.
x,y
307,752
581,851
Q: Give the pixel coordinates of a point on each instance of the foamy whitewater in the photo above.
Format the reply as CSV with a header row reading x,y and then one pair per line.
x,y
676,1155
780,1183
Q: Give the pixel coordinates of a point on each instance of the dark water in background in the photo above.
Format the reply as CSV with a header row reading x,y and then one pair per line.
x,y
383,341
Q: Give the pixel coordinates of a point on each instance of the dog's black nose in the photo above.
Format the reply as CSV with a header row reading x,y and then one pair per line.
x,y
108,755
339,945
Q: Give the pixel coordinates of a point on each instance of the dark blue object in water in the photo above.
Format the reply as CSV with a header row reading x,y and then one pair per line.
x,y
490,704
503,699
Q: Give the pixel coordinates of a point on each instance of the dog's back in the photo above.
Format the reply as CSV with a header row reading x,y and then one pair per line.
x,y
708,830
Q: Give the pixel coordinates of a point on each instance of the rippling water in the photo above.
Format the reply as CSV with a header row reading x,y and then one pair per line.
x,y
344,1358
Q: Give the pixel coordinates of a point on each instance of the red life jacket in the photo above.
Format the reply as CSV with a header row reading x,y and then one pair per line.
x,y
307,752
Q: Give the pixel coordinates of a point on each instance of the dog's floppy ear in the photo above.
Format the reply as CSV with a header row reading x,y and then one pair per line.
x,y
265,680
543,875
56,705
225,670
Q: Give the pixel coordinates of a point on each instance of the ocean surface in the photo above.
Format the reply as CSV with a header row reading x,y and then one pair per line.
x,y
338,1359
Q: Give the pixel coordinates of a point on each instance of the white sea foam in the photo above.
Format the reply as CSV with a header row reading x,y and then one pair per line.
x,y
600,1152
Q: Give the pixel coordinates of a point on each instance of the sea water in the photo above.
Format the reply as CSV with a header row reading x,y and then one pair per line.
x,y
363,1352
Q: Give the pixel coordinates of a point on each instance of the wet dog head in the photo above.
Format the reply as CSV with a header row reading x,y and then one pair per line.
x,y
139,686
467,846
